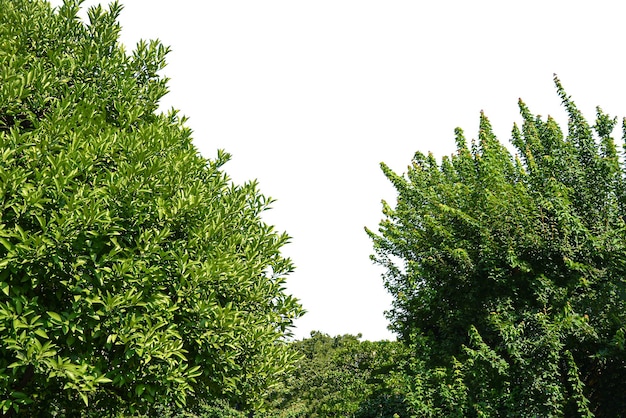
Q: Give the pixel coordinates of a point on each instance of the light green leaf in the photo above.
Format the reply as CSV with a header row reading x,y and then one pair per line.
x,y
55,316
41,333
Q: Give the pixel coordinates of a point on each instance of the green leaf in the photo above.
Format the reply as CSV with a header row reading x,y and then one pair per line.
x,y
5,288
41,333
55,317
6,244
19,395
102,379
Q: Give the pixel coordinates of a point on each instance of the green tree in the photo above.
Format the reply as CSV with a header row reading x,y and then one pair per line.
x,y
508,272
132,271
341,377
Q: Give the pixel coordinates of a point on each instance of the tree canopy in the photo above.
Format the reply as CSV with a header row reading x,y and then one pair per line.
x,y
508,271
342,376
132,271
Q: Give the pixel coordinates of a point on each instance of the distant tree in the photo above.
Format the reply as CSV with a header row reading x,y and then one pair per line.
x,y
341,377
203,409
132,271
509,273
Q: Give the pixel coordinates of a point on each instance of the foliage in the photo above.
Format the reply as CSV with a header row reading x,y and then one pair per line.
x,y
132,272
341,376
215,409
508,273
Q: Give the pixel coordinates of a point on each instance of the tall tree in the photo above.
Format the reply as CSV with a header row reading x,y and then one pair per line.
x,y
508,272
132,271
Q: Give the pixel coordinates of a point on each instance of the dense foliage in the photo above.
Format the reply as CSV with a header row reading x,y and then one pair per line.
x,y
333,377
509,273
135,278
132,272
342,377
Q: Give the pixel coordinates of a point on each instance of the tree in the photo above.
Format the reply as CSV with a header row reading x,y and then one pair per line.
x,y
508,272
341,377
132,271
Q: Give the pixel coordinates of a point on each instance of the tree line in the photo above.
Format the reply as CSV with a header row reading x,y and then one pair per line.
x,y
137,280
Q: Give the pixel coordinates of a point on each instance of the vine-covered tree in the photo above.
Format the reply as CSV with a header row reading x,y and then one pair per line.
x,y
132,271
509,272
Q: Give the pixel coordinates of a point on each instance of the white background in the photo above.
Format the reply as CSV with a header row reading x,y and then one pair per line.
x,y
310,96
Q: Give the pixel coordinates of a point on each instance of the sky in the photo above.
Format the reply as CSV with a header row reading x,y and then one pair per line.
x,y
310,96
